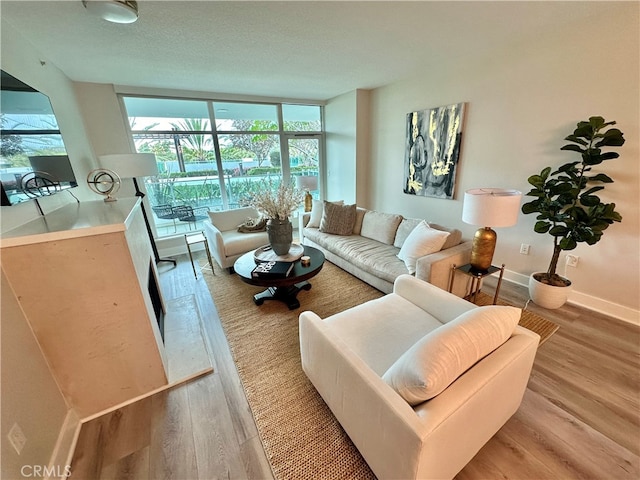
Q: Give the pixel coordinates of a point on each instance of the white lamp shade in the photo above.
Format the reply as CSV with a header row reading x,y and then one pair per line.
x,y
491,207
307,182
130,165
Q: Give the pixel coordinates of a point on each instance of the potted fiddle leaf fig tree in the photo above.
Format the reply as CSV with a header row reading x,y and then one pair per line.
x,y
567,205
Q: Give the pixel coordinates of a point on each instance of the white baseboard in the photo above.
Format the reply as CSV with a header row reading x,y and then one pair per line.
x,y
587,301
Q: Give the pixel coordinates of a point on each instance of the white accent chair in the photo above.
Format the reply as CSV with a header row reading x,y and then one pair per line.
x,y
346,356
225,242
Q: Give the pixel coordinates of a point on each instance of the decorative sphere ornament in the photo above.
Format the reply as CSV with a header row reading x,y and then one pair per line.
x,y
104,182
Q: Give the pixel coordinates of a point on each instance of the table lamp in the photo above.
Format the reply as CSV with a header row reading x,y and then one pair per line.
x,y
491,207
308,183
133,165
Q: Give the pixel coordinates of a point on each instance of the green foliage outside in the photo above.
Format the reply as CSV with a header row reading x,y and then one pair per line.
x,y
254,141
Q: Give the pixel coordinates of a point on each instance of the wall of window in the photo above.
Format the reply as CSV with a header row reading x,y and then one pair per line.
x,y
214,155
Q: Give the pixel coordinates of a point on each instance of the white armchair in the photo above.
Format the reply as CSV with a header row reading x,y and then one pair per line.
x,y
225,242
347,355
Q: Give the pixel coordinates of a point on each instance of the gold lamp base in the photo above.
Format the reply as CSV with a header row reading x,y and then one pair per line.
x,y
484,244
308,201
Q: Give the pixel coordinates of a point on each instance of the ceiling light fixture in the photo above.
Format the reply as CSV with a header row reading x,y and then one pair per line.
x,y
116,11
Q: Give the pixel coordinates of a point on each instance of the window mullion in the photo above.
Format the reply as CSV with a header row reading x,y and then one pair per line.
x,y
216,147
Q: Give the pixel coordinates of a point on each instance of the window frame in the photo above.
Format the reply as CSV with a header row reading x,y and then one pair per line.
x,y
216,133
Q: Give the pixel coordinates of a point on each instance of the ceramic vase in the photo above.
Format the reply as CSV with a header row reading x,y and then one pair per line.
x,y
280,233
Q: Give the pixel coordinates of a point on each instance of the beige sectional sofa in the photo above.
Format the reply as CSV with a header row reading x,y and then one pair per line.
x,y
370,249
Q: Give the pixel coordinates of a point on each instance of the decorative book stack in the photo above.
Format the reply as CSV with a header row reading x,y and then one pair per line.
x,y
274,269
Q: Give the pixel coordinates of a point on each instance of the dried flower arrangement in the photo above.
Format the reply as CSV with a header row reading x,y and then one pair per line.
x,y
278,203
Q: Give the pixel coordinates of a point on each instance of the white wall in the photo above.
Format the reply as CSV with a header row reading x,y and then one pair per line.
x,y
522,102
30,395
106,129
347,125
340,172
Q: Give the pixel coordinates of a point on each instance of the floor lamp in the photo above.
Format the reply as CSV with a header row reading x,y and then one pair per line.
x,y
489,207
134,165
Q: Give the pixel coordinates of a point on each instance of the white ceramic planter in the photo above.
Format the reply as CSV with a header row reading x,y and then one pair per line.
x,y
548,296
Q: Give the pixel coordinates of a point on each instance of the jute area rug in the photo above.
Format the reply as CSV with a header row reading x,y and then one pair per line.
x,y
301,437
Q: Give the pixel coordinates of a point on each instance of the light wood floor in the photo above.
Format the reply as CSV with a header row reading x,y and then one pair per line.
x,y
580,417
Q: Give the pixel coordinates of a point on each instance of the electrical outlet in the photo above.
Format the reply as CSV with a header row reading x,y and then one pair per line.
x,y
17,438
572,260
524,249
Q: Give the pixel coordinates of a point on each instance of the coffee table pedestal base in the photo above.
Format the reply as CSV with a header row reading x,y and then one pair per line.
x,y
287,295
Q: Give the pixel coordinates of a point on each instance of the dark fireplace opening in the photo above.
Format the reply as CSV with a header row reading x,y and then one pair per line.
x,y
156,299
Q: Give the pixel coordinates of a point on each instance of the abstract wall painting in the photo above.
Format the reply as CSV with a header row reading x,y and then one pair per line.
x,y
432,150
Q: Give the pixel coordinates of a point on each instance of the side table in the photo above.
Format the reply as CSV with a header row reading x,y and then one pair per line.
x,y
476,277
192,239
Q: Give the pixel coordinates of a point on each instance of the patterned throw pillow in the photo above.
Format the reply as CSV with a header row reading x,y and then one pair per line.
x,y
338,219
316,213
251,225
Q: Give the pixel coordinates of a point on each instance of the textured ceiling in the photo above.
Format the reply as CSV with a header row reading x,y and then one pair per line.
x,y
308,49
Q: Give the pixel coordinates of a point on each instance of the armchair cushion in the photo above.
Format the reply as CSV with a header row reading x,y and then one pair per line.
x,y
230,219
423,240
436,360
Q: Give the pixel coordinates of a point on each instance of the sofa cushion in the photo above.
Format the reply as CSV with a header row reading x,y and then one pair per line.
x,y
373,257
404,229
357,227
380,226
423,240
377,334
454,238
436,360
338,219
317,209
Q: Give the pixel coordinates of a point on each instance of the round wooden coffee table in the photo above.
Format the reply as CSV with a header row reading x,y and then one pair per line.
x,y
283,289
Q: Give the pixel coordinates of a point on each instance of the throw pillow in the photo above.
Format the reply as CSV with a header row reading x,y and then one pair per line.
x,y
454,238
253,225
423,240
338,219
404,229
436,360
317,208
